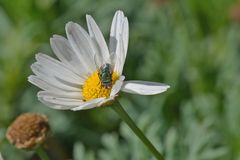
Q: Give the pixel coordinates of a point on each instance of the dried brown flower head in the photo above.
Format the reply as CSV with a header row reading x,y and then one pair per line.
x,y
28,130
235,12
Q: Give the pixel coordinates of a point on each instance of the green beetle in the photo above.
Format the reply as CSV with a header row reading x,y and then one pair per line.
x,y
105,75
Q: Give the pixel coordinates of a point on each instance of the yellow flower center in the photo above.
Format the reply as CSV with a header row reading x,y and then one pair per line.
x,y
93,87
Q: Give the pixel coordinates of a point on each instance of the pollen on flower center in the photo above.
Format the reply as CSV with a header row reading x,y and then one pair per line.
x,y
93,87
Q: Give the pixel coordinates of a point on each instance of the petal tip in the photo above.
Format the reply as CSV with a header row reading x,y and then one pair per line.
x,y
119,12
88,16
75,109
29,78
69,26
38,55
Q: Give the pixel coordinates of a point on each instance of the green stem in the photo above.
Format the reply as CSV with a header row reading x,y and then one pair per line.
x,y
125,117
42,153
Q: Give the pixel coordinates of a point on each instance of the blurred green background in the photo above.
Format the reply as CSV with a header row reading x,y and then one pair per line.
x,y
192,45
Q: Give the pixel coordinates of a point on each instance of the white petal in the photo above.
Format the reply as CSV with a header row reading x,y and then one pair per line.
x,y
89,104
82,45
106,100
55,74
61,94
58,69
54,105
95,33
65,53
119,39
116,29
50,78
42,84
120,59
60,100
117,86
144,87
125,35
63,101
57,98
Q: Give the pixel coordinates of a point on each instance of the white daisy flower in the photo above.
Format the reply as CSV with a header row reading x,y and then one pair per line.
x,y
88,73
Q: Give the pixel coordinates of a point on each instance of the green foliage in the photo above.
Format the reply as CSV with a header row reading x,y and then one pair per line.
x,y
191,45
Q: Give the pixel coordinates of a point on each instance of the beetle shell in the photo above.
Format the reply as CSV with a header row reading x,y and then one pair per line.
x,y
105,75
